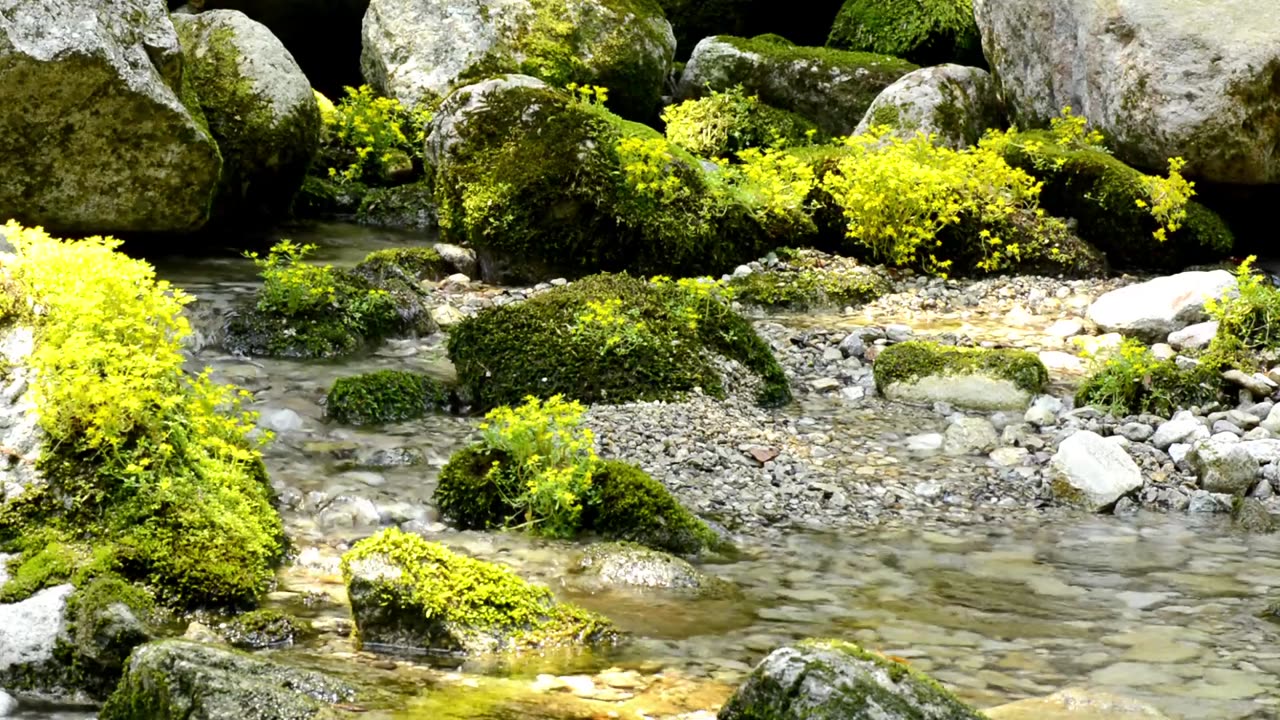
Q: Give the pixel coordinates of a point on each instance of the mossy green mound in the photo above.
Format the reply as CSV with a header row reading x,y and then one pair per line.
x,y
145,471
609,338
804,279
412,594
1132,381
725,122
557,185
1109,201
261,628
926,32
384,396
976,378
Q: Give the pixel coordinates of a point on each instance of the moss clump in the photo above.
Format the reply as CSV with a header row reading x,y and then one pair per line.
x,y
468,495
805,279
1103,195
383,397
909,361
409,264
725,122
108,618
151,471
323,198
1132,381
411,593
557,185
261,628
609,338
926,32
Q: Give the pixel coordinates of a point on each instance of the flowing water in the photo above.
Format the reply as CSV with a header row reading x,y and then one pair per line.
x,y
1164,609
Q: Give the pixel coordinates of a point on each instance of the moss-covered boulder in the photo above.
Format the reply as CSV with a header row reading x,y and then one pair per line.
x,y
98,132
413,595
927,32
406,207
831,88
259,629
385,396
837,679
694,20
549,184
976,378
417,51
260,108
802,279
179,680
1111,202
723,123
955,104
612,339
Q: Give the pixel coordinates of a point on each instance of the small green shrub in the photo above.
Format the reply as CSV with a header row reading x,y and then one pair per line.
x,y
723,123
467,492
372,139
926,32
383,397
1132,381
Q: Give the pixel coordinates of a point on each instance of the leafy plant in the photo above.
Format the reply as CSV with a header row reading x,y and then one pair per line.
x,y
731,121
1131,380
373,134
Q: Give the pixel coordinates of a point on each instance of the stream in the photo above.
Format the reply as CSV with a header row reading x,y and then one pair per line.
x,y
1015,604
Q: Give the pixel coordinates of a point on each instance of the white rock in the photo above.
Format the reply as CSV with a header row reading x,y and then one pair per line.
x,y
1178,452
1043,411
462,260
19,423
969,435
446,316
1264,451
977,392
1009,456
1154,309
1065,328
1223,467
32,627
1097,472
1194,337
1272,423
1061,361
1162,351
926,443
8,705
1183,427
281,420
1162,78
954,103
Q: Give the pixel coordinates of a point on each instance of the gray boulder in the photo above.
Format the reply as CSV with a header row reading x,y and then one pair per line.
x,y
96,134
970,435
954,103
260,108
1163,79
1224,468
180,680
831,88
420,50
1089,471
1194,337
622,565
1152,310
836,679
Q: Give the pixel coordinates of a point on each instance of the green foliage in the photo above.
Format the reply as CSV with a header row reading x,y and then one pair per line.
x,y
462,593
150,466
631,505
909,361
372,139
468,493
723,123
1248,334
609,338
927,32
384,396
1132,381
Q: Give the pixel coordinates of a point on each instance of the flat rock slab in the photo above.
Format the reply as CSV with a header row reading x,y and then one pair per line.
x,y
1152,310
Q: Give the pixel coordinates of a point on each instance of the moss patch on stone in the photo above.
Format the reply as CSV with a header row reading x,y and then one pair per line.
x,y
909,361
805,279
926,32
725,122
385,396
258,629
608,338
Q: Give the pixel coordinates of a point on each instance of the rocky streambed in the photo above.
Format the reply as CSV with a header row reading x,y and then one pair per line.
x,y
923,533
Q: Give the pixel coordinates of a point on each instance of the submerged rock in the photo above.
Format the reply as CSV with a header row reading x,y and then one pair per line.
x,y
180,680
97,132
1152,310
627,565
956,104
1076,704
411,595
1251,515
979,379
1092,472
835,679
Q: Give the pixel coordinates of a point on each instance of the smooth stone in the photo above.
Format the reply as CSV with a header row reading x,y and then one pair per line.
x,y
1194,337
1089,471
1153,309
1076,704
970,435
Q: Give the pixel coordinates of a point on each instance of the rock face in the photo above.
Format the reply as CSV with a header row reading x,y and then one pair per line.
x,y
418,50
19,423
94,132
831,88
260,109
180,680
1163,78
834,679
1092,472
953,102
1152,310
978,379
32,629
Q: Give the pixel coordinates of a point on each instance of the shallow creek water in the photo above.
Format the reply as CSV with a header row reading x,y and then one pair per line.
x,y
1012,605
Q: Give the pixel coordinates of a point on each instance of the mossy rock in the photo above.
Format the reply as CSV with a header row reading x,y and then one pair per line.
x,y
836,679
630,566
976,378
694,20
413,595
404,207
1102,194
385,396
535,180
322,198
259,629
722,124
1251,515
831,88
654,342
467,494
805,281
926,32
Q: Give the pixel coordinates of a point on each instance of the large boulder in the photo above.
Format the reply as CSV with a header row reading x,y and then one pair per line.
x,y
1162,78
419,50
180,680
976,378
952,102
417,596
260,108
835,679
1092,472
1152,310
97,132
831,88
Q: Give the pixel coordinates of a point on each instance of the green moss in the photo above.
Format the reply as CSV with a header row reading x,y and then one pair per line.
x,y
909,361
405,587
49,563
1133,382
802,282
724,123
656,344
633,506
262,628
1101,194
383,397
772,38
927,32
406,207
412,264
108,619
322,198
468,495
